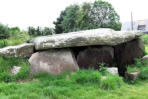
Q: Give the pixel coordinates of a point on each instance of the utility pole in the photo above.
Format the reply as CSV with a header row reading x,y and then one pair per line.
x,y
132,21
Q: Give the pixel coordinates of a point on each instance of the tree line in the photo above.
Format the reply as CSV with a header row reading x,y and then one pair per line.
x,y
99,14
6,32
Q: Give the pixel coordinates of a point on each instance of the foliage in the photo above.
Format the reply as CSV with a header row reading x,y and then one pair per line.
x,y
16,36
58,23
139,66
39,31
145,39
14,31
104,15
3,43
102,68
20,38
133,69
7,63
144,73
99,14
111,82
4,31
69,22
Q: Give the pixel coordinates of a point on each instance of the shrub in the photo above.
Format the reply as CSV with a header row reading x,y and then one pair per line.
x,y
23,73
102,69
139,66
4,31
3,43
145,39
111,82
144,73
7,63
133,69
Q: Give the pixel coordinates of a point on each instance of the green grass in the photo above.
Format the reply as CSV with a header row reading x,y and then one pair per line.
x,y
15,39
83,84
145,39
60,88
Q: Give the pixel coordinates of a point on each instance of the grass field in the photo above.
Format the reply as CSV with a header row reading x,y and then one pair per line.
x,y
83,84
61,89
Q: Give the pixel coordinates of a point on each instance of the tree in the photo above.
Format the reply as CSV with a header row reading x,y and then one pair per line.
x,y
47,31
14,31
99,14
103,15
58,23
4,31
69,22
39,31
84,21
31,30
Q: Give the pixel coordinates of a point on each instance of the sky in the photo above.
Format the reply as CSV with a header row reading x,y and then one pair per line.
x,y
24,13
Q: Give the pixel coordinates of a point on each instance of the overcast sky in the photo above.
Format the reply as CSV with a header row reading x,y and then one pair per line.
x,y
24,13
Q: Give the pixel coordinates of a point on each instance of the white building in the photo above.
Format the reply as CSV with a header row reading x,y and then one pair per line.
x,y
137,25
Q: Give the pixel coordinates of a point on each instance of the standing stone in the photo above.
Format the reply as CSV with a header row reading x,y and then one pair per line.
x,y
22,50
93,56
127,52
54,61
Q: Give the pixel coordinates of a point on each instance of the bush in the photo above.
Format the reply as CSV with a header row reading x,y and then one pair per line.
x,y
139,66
23,73
4,31
111,82
3,43
7,63
103,69
145,39
144,73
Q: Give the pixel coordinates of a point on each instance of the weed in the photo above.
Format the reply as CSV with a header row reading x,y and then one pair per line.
x,y
102,69
111,82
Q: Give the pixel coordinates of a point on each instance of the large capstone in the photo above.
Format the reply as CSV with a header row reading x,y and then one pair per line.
x,y
55,61
22,50
126,53
85,38
93,57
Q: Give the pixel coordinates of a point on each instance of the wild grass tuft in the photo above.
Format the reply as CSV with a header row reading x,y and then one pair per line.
x,y
7,63
110,82
139,66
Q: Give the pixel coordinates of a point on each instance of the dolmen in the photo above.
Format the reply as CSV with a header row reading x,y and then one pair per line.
x,y
56,54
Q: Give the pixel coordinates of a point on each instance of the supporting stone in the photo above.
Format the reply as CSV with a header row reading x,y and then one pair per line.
x,y
92,57
55,61
126,53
